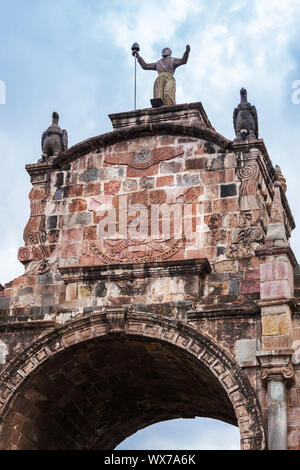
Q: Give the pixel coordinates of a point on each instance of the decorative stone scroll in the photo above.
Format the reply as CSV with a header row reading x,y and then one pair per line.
x,y
246,238
35,235
29,253
276,366
286,374
248,176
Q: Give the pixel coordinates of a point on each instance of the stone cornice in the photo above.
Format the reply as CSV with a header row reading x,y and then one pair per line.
x,y
232,312
119,272
39,171
17,325
291,302
266,250
179,112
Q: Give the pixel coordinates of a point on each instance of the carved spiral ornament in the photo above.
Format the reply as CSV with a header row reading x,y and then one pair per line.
x,y
24,254
31,238
256,234
248,172
43,267
286,374
37,194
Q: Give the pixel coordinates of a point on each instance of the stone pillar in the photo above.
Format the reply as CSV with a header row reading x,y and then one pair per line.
x,y
277,415
276,296
277,303
277,373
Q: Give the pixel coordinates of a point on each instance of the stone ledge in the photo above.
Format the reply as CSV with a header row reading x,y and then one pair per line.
x,y
120,272
232,312
291,302
40,172
192,113
277,251
8,326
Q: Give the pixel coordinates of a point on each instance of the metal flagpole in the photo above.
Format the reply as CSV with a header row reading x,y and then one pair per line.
x,y
135,82
135,48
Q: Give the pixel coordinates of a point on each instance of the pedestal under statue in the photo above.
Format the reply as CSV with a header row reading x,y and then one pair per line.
x,y
165,84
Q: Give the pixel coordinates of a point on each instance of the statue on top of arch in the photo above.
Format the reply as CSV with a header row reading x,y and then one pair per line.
x,y
165,84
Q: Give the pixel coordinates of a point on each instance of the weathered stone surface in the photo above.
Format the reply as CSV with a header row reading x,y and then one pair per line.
x,y
90,175
147,268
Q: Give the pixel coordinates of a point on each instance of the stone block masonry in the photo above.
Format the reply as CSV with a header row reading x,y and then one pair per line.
x,y
150,251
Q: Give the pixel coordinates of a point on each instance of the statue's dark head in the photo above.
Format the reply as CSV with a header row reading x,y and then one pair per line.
x,y
243,93
166,52
55,118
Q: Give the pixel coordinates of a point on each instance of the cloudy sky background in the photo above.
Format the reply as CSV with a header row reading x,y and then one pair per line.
x,y
73,56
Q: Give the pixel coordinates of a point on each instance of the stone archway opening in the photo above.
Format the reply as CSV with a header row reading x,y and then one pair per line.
x,y
95,394
185,434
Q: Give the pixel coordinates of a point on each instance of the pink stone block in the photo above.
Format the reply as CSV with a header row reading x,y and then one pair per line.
x,y
266,272
72,235
100,203
275,289
230,160
282,270
175,195
71,251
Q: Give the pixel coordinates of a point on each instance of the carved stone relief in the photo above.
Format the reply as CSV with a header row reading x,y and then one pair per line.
x,y
250,232
35,234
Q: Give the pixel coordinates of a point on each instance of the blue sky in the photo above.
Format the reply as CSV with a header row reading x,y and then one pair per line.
x,y
73,56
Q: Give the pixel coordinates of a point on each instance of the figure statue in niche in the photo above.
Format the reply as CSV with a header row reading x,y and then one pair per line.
x,y
245,120
54,139
165,84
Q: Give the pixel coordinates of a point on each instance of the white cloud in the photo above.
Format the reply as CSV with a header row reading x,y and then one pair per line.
x,y
149,22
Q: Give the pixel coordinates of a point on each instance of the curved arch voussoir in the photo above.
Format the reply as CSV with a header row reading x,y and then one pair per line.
x,y
182,336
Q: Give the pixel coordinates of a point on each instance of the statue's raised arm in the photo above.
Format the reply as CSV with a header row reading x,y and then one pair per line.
x,y
164,85
144,64
184,58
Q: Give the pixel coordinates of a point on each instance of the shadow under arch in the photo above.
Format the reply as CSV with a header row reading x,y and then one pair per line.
x,y
96,380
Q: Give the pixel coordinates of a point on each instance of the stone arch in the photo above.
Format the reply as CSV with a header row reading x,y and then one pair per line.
x,y
116,324
93,144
